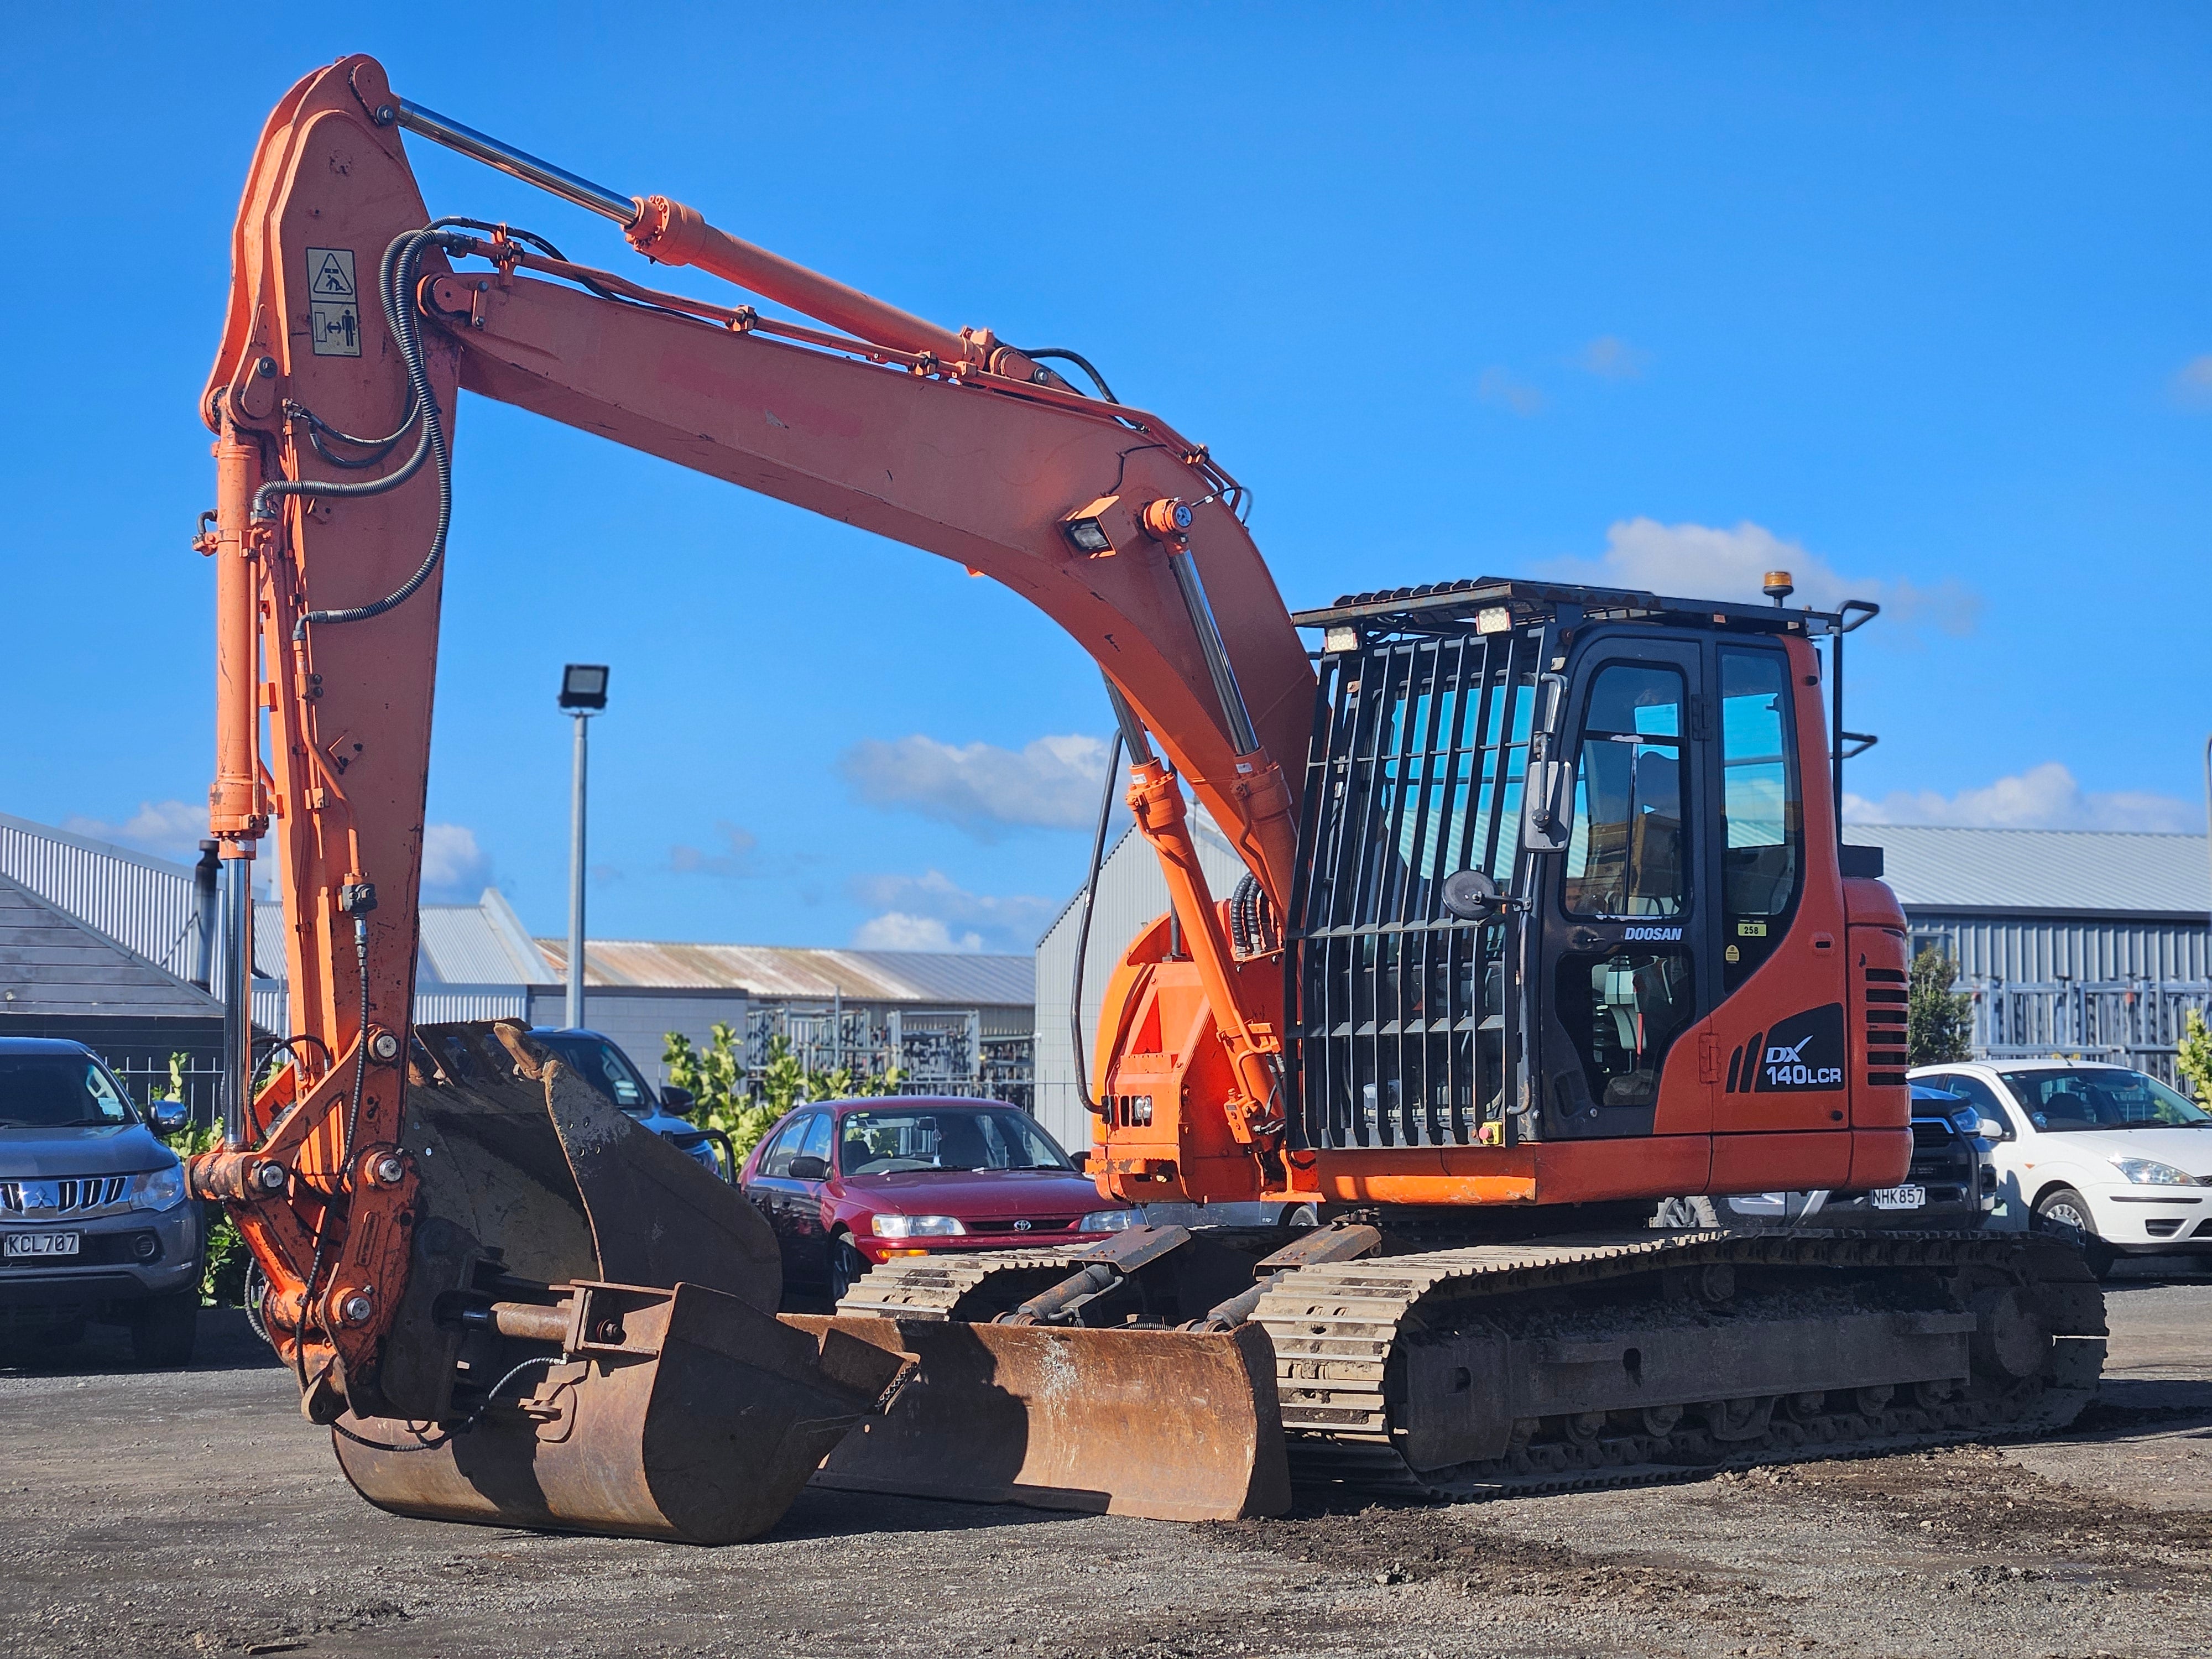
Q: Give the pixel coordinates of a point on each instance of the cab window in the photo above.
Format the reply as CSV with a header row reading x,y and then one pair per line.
x,y
1626,855
1762,859
816,1145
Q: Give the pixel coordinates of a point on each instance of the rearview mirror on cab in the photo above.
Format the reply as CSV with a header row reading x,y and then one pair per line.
x,y
168,1118
809,1169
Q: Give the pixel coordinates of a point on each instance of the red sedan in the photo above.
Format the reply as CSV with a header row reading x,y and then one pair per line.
x,y
846,1183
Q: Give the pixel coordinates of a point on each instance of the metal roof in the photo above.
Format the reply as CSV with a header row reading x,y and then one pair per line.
x,y
799,973
1934,867
52,963
144,903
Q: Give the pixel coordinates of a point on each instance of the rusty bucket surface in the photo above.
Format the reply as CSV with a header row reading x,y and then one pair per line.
x,y
1176,1425
700,1423
650,1389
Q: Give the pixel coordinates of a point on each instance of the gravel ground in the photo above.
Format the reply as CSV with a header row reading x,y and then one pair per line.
x,y
195,1513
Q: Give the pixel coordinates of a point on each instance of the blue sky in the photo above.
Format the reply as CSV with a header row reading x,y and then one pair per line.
x,y
1909,299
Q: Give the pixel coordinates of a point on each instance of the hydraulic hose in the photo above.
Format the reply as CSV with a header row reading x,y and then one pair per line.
x,y
1083,927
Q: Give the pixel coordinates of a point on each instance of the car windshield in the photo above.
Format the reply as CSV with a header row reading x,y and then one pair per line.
x,y
57,1092
944,1138
2061,1102
603,1066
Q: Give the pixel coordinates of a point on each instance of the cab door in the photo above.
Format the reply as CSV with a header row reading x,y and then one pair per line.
x,y
1623,972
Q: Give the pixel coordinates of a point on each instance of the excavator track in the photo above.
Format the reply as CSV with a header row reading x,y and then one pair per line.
x,y
937,1287
1343,1335
1337,1330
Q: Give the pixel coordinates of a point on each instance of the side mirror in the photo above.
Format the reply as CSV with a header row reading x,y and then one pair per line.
x,y
809,1169
1989,1129
1473,897
168,1118
678,1101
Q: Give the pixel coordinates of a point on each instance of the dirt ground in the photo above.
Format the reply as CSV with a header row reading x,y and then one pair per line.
x,y
195,1513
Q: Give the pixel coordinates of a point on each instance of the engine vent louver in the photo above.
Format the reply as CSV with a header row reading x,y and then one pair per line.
x,y
1886,1056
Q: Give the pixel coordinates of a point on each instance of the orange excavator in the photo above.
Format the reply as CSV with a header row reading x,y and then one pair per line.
x,y
1545,918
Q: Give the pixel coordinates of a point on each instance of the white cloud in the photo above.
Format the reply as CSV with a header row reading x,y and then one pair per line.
x,y
1052,783
1498,386
735,861
455,870
932,912
167,828
895,930
2192,382
2045,796
1612,358
1695,561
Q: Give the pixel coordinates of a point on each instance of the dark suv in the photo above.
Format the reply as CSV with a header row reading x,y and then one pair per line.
x,y
94,1223
1950,1186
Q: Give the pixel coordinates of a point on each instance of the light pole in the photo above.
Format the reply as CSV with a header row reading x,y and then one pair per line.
x,y
583,694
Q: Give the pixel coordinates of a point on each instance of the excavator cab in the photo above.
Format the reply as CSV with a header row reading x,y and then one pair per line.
x,y
1550,834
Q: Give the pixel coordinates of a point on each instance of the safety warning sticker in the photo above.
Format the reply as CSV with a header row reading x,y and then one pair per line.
x,y
333,302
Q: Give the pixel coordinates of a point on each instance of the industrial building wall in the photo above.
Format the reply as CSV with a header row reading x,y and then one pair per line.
x,y
2038,949
639,1019
1131,893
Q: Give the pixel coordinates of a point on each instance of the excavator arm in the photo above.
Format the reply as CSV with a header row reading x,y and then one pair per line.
x,y
354,320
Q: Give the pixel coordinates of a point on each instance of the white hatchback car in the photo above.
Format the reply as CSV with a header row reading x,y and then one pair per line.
x,y
2102,1151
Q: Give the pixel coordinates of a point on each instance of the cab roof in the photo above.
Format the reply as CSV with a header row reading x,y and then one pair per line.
x,y
1450,607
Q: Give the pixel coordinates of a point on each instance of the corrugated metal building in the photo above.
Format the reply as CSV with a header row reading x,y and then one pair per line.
x,y
1131,893
60,977
958,1023
144,904
2088,942
952,1023
2042,905
2069,941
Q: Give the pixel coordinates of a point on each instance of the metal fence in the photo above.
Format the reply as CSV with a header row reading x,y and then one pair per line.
x,y
2134,1023
147,1075
936,1052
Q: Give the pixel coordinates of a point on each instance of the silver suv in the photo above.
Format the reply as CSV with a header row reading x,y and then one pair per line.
x,y
94,1223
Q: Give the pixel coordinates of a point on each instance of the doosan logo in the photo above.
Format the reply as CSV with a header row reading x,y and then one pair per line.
x,y
1627,933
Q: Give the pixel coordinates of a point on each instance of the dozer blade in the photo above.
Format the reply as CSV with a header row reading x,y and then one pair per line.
x,y
1176,1425
589,1338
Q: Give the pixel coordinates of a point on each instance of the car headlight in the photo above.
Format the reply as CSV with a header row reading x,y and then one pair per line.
x,y
159,1189
2149,1172
1110,1221
915,1226
1967,1119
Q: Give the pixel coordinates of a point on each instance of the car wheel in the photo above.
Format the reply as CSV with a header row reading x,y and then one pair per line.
x,y
1697,1213
847,1265
162,1330
2062,1210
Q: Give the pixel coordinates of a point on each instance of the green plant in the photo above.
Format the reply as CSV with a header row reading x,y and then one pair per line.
x,y
1938,1021
2192,1057
715,1076
745,1104
223,1283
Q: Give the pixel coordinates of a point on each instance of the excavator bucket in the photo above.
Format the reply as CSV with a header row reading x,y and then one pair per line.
x,y
589,1341
1176,1425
